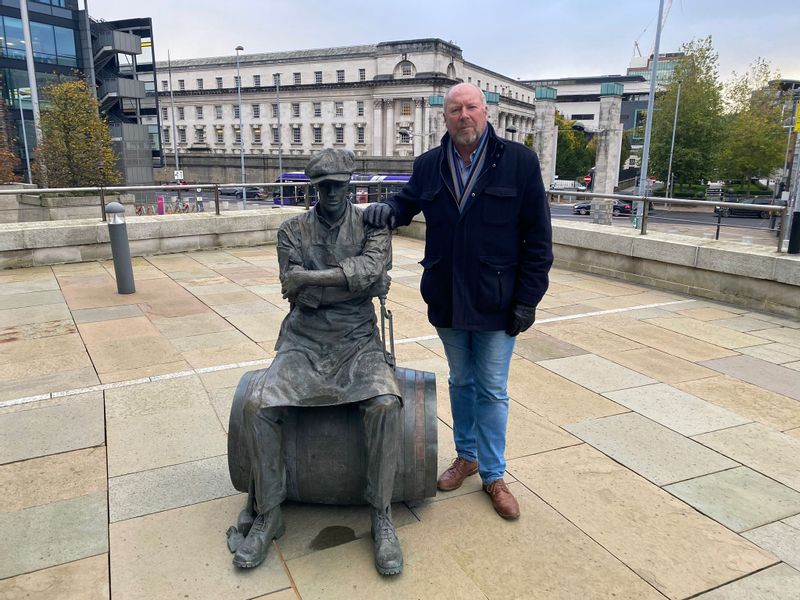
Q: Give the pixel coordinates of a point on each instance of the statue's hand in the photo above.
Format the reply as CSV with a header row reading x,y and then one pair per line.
x,y
292,283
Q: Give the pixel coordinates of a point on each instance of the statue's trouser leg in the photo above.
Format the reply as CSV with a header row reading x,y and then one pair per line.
x,y
264,437
381,417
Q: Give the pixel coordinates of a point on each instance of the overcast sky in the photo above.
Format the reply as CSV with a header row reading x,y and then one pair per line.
x,y
528,39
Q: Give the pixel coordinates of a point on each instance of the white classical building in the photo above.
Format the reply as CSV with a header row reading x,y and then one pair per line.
x,y
382,99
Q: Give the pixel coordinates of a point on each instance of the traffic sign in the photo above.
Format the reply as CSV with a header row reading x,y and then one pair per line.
x,y
587,179
178,175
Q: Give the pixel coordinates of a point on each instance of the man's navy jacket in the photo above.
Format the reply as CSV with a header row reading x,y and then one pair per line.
x,y
496,251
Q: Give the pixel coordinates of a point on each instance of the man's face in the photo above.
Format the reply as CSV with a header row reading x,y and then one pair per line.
x,y
465,114
332,194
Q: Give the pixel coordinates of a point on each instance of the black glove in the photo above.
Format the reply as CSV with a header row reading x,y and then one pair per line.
x,y
379,215
521,318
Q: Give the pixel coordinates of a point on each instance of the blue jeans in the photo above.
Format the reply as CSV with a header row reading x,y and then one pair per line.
x,y
479,363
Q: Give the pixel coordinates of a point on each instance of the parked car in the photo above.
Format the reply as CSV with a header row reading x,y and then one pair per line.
x,y
726,211
567,185
619,208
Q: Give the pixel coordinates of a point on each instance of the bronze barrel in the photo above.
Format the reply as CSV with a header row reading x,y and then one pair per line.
x,y
324,446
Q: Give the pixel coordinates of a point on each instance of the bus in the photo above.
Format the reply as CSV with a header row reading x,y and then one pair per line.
x,y
364,187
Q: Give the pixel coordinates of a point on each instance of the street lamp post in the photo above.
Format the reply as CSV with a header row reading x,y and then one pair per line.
x,y
241,128
672,145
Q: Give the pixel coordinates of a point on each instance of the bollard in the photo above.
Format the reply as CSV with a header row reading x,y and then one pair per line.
x,y
160,205
794,234
120,250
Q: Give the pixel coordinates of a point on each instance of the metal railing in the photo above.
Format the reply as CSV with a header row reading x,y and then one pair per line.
x,y
640,216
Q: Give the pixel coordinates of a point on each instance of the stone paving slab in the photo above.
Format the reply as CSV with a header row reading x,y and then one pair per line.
x,y
85,579
793,521
563,563
780,582
76,422
708,332
659,365
708,313
34,314
745,399
668,544
780,539
182,553
27,299
540,346
589,337
649,449
53,534
596,373
774,353
759,372
783,334
44,383
675,409
744,324
739,498
762,449
147,492
160,424
92,315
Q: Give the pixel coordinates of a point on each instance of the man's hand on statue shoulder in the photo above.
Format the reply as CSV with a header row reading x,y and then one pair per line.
x,y
379,215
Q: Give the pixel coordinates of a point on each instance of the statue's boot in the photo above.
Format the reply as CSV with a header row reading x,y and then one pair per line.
x,y
388,555
266,527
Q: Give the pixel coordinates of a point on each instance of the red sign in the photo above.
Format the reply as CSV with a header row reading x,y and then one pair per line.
x,y
587,179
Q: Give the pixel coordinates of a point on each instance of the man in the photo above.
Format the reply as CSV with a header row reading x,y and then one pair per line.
x,y
328,352
488,251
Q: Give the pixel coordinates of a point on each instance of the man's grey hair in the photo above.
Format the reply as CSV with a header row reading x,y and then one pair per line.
x,y
472,85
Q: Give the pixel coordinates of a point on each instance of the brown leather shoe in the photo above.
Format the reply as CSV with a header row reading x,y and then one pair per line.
x,y
456,473
503,500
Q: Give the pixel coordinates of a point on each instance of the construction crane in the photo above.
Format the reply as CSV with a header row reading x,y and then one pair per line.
x,y
636,49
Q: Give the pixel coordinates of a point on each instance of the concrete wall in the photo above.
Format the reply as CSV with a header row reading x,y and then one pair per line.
x,y
23,208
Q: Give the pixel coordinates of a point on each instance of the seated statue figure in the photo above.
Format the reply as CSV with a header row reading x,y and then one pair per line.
x,y
329,352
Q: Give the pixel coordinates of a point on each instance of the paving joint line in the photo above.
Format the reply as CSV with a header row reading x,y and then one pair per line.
x,y
268,361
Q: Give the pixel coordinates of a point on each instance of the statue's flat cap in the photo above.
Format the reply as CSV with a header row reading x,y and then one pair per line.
x,y
331,164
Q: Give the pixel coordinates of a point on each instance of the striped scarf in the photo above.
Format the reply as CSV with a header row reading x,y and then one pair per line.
x,y
464,188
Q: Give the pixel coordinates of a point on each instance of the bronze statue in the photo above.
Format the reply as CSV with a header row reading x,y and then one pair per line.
x,y
329,352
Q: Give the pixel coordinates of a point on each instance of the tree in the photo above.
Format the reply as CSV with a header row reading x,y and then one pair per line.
x,y
76,145
699,131
574,157
754,136
625,152
9,161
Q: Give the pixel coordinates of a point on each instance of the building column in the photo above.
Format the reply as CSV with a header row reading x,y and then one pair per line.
x,y
418,135
426,124
609,139
377,127
545,133
390,127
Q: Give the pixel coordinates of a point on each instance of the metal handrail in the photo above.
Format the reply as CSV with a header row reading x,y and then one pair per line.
x,y
781,210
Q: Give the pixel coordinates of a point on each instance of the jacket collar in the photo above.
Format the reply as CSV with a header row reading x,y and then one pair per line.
x,y
495,146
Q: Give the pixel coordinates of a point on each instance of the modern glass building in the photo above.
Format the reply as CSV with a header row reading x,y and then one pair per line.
x,y
66,44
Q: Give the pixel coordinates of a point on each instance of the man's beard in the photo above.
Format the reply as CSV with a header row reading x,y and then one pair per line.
x,y
467,138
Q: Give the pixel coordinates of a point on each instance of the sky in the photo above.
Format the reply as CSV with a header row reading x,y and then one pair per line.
x,y
531,39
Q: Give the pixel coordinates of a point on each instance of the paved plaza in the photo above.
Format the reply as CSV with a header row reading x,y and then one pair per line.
x,y
653,444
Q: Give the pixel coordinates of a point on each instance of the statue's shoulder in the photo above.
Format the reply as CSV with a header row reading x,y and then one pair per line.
x,y
293,224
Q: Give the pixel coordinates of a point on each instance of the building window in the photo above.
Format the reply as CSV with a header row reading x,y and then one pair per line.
x,y
164,113
198,112
276,79
219,83
235,111
360,134
217,112
317,129
164,85
338,109
295,109
181,84
276,135
237,135
181,113
297,78
274,110
339,131
256,80
236,80
360,108
200,135
182,135
479,83
405,109
296,137
362,74
220,135
469,79
405,69
165,134
317,109
256,111
199,83
405,138
583,117
340,76
317,76
256,135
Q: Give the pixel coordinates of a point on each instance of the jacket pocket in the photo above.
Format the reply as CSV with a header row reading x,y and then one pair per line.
x,y
499,205
496,281
430,284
